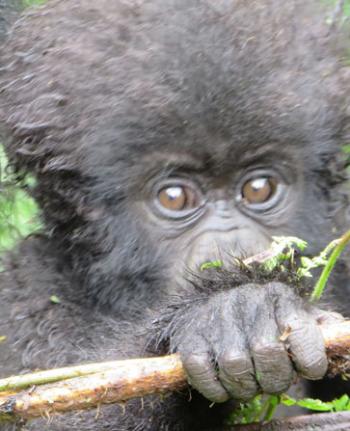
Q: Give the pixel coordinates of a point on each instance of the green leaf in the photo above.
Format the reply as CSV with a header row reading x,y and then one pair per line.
x,y
315,404
341,404
247,413
55,299
287,400
307,403
212,264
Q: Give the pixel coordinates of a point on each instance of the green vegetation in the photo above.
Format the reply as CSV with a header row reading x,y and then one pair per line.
x,y
263,408
18,212
344,6
33,2
283,251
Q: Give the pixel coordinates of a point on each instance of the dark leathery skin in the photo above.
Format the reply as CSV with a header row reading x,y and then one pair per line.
x,y
241,356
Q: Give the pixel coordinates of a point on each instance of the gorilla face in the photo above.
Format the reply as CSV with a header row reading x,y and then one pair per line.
x,y
231,213
164,134
187,137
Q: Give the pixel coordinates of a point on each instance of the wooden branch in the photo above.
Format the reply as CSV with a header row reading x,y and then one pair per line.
x,y
122,381
337,338
88,386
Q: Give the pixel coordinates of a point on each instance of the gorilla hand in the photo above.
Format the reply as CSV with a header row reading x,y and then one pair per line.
x,y
231,345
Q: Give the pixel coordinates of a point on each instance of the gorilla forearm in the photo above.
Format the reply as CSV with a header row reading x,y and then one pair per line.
x,y
41,334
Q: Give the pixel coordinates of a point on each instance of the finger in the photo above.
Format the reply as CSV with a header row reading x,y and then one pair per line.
x,y
305,342
236,369
273,367
307,347
237,373
201,373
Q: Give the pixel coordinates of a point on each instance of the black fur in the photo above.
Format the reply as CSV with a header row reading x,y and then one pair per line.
x,y
100,98
9,10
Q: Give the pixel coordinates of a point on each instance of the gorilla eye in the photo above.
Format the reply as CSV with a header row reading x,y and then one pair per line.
x,y
177,198
259,190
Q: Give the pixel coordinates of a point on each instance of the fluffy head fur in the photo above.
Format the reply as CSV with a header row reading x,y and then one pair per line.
x,y
92,98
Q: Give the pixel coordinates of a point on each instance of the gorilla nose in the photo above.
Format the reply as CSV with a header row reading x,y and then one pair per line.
x,y
224,208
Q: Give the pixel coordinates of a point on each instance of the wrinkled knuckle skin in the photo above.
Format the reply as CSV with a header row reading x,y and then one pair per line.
x,y
195,365
202,376
316,369
274,368
308,351
237,376
234,365
268,351
275,382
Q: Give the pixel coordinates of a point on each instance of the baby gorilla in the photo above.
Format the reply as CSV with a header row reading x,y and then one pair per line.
x,y
163,134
